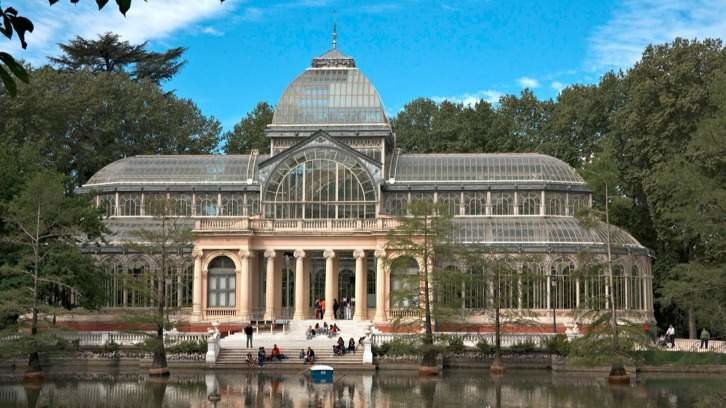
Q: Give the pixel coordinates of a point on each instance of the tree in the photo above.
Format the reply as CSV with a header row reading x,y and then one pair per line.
x,y
80,122
13,23
413,125
249,133
168,236
424,235
109,54
45,226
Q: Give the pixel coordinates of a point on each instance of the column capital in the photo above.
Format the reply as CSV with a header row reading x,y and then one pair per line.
x,y
269,253
359,253
329,253
243,253
196,252
299,253
380,253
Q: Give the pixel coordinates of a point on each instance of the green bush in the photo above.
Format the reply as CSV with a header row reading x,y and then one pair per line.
x,y
484,347
558,345
456,344
111,347
682,358
189,347
522,348
399,346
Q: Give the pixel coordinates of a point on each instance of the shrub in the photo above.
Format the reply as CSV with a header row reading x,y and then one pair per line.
x,y
189,347
456,344
559,345
484,347
401,346
522,348
111,347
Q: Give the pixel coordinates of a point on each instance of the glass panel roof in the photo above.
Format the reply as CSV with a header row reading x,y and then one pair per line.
x,y
536,230
488,167
178,169
330,96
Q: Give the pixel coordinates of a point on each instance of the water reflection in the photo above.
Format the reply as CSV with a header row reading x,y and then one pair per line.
x,y
385,389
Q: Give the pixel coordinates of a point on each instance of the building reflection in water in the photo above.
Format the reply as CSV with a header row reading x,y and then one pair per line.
x,y
383,389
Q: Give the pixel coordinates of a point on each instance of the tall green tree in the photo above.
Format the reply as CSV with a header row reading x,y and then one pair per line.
x,y
80,121
43,229
109,53
168,236
249,133
414,124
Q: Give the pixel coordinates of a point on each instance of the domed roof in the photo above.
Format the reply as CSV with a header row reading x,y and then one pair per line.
x,y
331,92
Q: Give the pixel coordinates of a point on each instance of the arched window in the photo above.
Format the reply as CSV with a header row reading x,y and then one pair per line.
x,y
564,286
181,204
129,204
475,203
404,283
619,286
506,285
395,203
635,288
187,283
528,203
138,283
594,280
232,204
502,203
206,204
449,287
534,286
450,201
575,201
107,203
320,183
221,283
556,203
476,293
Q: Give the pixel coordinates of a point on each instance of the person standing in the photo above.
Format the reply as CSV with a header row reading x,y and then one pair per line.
x,y
317,309
705,336
248,334
322,308
671,336
336,306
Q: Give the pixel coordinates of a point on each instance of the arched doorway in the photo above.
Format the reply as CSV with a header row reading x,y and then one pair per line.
x,y
221,283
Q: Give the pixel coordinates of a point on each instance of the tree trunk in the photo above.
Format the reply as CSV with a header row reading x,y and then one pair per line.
x,y
691,323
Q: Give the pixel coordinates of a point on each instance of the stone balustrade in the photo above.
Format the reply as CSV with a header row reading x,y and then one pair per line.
x,y
471,339
220,224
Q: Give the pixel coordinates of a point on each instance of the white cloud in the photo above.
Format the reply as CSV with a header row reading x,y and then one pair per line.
x,y
557,86
527,82
471,99
152,20
636,23
212,31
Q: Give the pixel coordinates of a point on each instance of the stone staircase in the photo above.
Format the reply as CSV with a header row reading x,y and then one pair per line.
x,y
233,351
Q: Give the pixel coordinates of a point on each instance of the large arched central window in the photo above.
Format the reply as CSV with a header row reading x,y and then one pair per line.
x,y
320,183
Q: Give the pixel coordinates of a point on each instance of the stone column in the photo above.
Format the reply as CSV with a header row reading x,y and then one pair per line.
x,y
196,286
329,255
244,299
299,285
361,308
270,285
380,286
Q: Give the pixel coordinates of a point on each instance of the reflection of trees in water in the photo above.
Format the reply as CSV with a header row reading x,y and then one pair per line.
x,y
467,388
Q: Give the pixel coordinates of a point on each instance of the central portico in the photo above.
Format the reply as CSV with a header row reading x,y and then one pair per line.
x,y
262,276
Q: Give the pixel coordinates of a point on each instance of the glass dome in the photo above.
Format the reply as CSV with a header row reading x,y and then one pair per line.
x,y
330,93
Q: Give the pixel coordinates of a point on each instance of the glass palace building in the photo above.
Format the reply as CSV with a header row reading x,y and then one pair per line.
x,y
310,220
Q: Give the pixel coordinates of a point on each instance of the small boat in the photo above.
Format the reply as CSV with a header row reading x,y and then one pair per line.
x,y
321,374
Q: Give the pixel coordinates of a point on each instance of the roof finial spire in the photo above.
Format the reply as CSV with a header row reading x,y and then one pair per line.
x,y
335,36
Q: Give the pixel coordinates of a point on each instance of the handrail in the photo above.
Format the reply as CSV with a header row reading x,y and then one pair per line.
x,y
215,224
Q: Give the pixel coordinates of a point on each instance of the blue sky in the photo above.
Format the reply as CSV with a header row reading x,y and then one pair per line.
x,y
241,52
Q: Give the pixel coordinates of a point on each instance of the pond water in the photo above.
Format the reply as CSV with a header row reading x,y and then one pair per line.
x,y
384,389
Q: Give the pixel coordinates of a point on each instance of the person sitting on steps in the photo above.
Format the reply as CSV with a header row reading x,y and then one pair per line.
x,y
251,361
341,345
310,357
277,354
261,357
351,345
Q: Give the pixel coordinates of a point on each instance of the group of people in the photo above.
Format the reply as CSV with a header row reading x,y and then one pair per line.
x,y
262,356
670,337
341,310
339,348
329,330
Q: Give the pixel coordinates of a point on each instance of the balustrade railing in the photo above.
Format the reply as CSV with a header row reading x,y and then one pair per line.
x,y
220,312
237,224
471,339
